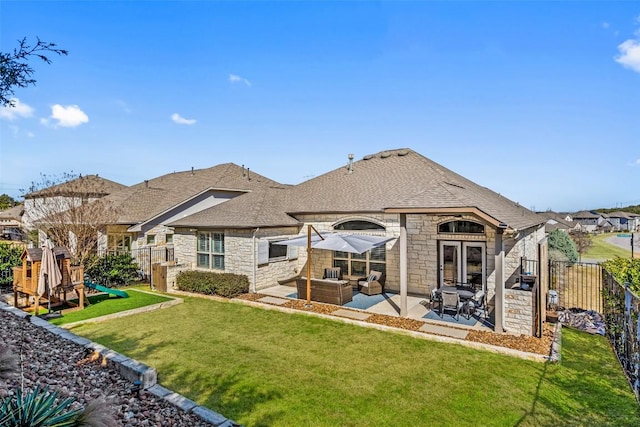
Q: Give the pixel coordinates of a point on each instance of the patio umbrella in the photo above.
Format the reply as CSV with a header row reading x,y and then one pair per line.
x,y
333,241
50,276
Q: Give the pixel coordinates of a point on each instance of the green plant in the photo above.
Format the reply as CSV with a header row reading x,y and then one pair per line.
x,y
113,269
209,283
561,242
9,258
625,270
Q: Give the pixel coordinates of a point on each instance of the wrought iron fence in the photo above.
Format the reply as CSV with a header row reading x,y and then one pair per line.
x,y
578,285
144,257
621,307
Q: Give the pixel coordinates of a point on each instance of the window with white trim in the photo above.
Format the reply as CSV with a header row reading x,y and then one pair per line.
x,y
361,264
210,251
118,242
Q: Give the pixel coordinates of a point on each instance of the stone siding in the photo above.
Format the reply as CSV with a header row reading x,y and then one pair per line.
x,y
518,311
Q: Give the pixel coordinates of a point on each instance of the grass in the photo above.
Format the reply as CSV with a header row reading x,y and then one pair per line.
x,y
600,249
266,368
104,304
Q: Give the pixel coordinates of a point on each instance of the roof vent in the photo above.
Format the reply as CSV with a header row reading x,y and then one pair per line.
x,y
402,153
192,172
350,166
385,154
368,157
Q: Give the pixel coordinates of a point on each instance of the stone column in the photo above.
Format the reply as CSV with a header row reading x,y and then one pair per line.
x,y
403,265
499,299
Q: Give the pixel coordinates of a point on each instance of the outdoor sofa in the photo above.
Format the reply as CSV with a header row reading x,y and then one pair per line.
x,y
329,291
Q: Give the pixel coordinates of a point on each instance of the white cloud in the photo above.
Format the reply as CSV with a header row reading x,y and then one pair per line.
x,y
629,54
69,117
177,118
233,79
605,25
19,109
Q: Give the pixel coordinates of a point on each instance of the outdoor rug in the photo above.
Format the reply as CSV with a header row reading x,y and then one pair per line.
x,y
364,301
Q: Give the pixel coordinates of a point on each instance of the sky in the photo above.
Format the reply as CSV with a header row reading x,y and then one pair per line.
x,y
536,100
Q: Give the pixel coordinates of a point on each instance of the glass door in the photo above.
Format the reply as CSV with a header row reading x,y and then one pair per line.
x,y
473,264
450,257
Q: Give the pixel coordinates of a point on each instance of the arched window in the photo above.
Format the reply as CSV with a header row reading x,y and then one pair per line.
x,y
359,265
358,225
464,227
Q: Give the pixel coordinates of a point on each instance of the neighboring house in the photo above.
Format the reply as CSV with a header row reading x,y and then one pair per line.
x,y
61,197
558,221
447,229
588,220
11,227
622,221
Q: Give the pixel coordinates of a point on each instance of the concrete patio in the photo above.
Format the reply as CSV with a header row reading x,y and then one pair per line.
x,y
389,304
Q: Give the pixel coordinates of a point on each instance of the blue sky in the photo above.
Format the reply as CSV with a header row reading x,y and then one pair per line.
x,y
538,101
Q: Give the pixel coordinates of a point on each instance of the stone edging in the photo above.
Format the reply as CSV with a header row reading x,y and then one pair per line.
x,y
422,335
556,345
129,369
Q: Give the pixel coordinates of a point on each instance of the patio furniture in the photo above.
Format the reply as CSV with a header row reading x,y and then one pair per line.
x,y
451,301
329,291
372,285
477,303
435,298
332,273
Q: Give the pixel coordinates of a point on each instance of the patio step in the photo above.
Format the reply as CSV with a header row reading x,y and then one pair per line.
x,y
357,315
443,330
273,300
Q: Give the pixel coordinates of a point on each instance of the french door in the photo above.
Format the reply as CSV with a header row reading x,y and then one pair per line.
x,y
462,262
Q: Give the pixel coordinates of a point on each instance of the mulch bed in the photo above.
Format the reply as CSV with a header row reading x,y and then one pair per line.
x,y
516,342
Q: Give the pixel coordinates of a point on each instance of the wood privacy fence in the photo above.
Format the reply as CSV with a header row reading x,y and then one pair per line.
x,y
578,285
621,308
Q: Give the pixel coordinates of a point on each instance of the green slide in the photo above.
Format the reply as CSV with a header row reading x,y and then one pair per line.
x,y
116,292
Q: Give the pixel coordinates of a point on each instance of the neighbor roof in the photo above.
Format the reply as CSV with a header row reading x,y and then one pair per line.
x,y
586,215
15,212
87,185
403,180
147,199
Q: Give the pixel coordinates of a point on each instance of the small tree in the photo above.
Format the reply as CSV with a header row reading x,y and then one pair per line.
x,y
561,242
15,70
7,202
582,240
9,258
69,210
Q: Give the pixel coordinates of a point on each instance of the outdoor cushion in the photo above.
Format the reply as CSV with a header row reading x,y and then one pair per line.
x,y
372,277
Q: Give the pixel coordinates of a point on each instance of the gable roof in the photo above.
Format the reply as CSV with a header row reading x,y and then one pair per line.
x,y
150,198
397,180
261,208
586,215
15,212
87,185
620,214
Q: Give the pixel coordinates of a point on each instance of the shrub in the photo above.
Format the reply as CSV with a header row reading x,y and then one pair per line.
x,y
109,270
9,258
625,270
560,241
209,283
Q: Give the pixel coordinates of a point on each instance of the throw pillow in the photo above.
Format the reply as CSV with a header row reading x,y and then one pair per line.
x,y
371,278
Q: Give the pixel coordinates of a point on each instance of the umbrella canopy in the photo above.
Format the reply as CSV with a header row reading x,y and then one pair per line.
x,y
343,242
49,272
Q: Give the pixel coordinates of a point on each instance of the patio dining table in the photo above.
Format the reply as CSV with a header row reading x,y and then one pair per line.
x,y
464,293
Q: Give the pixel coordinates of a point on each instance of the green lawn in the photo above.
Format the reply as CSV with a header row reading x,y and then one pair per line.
x,y
266,368
600,249
104,304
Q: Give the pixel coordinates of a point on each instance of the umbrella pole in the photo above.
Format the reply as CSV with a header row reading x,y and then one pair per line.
x,y
308,304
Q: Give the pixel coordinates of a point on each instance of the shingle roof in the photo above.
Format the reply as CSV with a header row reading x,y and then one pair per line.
x,y
147,199
260,208
15,212
586,215
402,178
87,185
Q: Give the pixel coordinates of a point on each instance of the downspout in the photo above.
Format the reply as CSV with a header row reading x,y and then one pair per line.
x,y
255,261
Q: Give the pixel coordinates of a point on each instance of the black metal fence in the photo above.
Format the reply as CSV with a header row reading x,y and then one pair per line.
x,y
578,285
621,308
145,257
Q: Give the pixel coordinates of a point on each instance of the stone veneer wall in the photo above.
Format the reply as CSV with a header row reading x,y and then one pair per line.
x,y
239,254
519,308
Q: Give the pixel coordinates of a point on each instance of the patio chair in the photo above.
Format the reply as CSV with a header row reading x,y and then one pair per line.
x,y
372,285
332,273
477,303
436,298
451,301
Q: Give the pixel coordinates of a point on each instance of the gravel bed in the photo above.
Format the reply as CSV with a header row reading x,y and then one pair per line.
x,y
49,360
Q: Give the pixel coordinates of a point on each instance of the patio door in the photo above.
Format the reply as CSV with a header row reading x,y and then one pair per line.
x,y
462,262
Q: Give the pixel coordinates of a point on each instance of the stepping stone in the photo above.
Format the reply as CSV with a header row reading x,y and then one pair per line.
x,y
357,315
442,330
273,300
